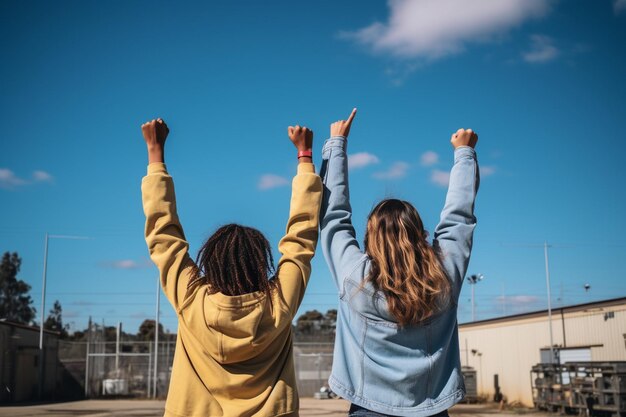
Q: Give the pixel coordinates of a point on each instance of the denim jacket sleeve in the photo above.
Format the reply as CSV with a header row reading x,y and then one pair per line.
x,y
454,233
337,236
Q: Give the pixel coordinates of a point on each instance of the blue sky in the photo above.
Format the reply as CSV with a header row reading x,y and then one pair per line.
x,y
541,81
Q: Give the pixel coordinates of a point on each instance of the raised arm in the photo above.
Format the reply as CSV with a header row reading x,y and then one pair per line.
x,y
164,234
454,233
298,245
338,238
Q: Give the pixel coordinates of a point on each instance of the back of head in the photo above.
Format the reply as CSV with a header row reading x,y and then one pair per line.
x,y
404,265
236,260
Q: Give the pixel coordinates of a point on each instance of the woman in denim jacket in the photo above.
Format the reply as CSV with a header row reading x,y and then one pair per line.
x,y
397,346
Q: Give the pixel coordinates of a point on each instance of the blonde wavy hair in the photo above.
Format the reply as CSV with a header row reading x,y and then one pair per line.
x,y
405,267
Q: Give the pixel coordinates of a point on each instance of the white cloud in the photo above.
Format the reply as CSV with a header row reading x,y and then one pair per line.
x,y
514,304
126,264
433,29
396,170
42,176
361,159
517,299
440,178
9,180
487,170
619,6
429,158
268,181
542,49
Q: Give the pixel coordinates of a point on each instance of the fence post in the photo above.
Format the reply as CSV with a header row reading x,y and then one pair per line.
x,y
149,385
117,349
87,360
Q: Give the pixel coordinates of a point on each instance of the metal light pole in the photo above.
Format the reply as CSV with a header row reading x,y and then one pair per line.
x,y
473,279
545,251
43,303
43,292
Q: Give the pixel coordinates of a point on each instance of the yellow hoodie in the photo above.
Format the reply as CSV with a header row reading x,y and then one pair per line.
x,y
234,354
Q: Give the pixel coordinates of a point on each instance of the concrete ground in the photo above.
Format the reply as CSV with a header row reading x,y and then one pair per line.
x,y
146,408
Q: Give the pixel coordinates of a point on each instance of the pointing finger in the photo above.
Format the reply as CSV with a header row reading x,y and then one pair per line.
x,y
349,121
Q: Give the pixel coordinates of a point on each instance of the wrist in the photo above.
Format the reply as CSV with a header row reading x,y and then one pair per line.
x,y
305,153
155,155
155,147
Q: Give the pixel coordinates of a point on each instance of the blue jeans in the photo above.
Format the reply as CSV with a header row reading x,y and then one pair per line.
x,y
358,411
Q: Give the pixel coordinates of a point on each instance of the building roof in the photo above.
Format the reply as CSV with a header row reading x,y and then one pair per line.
x,y
555,310
26,327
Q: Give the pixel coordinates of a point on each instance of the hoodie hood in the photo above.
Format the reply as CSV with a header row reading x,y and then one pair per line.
x,y
240,327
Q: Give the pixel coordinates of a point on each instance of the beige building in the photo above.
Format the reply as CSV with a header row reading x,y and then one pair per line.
x,y
510,346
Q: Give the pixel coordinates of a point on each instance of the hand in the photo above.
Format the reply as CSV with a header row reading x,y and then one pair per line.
x,y
302,137
464,137
154,133
342,127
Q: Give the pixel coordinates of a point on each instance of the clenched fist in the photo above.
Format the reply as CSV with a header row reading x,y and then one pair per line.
x,y
342,127
154,133
464,137
301,136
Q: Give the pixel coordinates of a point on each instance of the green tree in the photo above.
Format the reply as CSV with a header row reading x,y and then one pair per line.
x,y
309,322
15,302
54,321
331,315
146,330
330,321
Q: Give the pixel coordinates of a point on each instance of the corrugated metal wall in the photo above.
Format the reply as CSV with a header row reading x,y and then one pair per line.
x,y
595,327
509,348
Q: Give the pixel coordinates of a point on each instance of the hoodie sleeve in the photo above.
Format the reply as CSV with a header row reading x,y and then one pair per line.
x,y
164,234
297,247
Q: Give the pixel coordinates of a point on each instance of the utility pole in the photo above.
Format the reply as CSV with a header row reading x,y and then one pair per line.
x,y
545,251
473,279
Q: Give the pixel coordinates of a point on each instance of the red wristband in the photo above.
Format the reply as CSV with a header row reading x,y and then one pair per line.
x,y
305,153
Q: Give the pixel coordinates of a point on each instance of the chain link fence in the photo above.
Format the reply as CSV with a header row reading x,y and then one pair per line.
x,y
106,369
313,362
126,369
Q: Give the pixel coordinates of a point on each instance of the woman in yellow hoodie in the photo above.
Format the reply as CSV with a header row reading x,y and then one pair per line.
x,y
234,354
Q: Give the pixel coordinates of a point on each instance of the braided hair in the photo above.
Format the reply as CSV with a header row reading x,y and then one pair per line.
x,y
236,260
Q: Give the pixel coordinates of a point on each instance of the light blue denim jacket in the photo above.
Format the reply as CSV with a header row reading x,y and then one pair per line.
x,y
410,371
